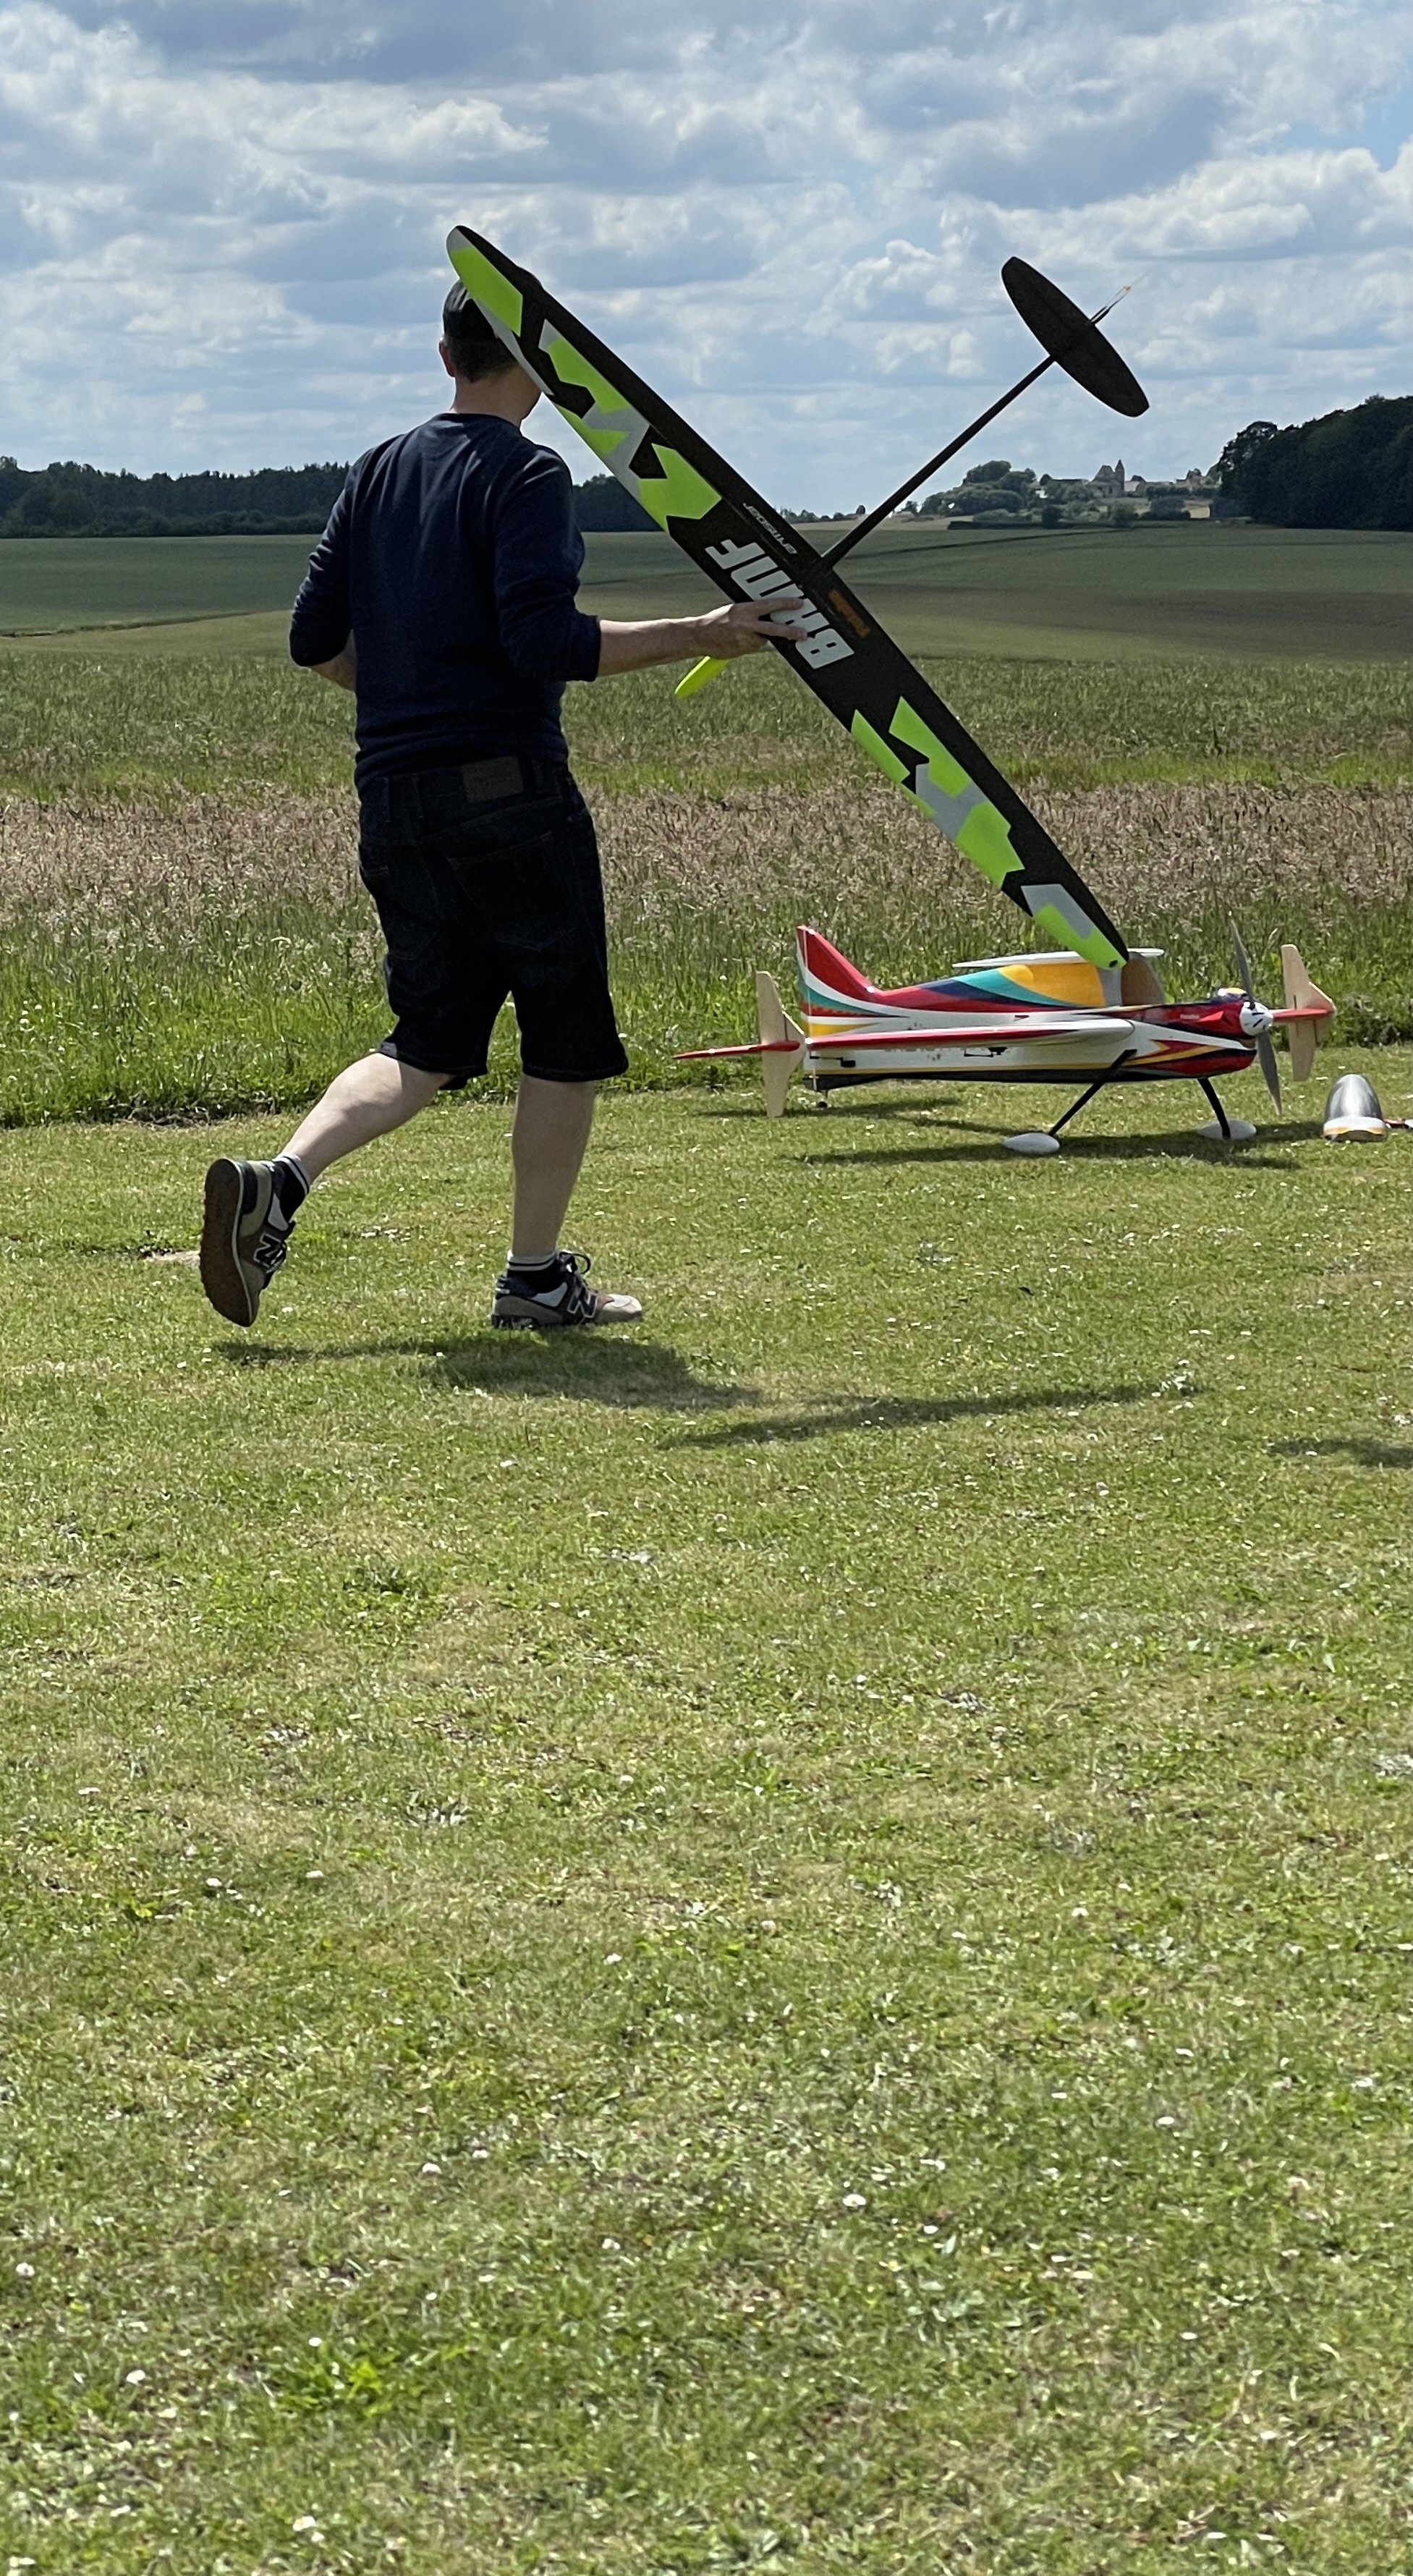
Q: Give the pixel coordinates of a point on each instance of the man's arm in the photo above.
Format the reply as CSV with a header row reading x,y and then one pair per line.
x,y
343,669
320,634
724,633
538,556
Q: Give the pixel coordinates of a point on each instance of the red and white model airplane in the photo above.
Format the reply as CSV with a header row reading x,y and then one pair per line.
x,y
1033,1018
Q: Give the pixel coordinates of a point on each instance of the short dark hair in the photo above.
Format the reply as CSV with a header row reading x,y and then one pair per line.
x,y
475,350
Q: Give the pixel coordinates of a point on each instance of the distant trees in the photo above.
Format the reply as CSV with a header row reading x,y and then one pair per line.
x,y
69,500
997,487
1349,469
604,502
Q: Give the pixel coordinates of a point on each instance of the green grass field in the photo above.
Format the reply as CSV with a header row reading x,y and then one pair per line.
x,y
1085,593
50,584
773,1941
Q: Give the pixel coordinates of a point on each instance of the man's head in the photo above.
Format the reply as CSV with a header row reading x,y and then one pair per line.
x,y
470,348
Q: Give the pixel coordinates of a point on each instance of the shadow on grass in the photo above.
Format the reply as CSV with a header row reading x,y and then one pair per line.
x,y
1359,1453
904,1412
1181,1144
1179,1147
622,1375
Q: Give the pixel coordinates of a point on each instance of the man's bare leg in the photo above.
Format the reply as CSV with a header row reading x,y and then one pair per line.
x,y
547,1146
250,1207
368,1099
543,1286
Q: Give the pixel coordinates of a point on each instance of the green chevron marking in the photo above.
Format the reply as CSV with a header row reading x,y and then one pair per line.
x,y
971,822
680,493
487,284
573,368
949,774
985,839
877,749
1091,944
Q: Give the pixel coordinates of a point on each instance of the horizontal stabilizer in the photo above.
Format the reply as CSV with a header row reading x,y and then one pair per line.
x,y
1073,339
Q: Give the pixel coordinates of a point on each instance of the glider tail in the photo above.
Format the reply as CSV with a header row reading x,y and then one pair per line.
x,y
1305,1008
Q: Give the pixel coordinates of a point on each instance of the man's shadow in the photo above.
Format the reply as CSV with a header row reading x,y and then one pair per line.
x,y
582,1367
649,1376
905,1412
1360,1453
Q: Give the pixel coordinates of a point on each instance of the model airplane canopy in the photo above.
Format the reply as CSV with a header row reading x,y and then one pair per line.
x,y
1072,339
750,552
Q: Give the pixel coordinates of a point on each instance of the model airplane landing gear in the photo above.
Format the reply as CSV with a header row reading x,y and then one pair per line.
x,y
1224,1129
1046,1140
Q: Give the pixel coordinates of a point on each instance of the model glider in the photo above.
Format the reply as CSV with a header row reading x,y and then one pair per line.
x,y
749,551
1029,1019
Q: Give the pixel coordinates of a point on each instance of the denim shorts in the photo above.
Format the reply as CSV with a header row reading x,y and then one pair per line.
x,y
487,884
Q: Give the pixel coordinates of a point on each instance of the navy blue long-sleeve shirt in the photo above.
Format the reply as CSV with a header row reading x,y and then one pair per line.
x,y
452,557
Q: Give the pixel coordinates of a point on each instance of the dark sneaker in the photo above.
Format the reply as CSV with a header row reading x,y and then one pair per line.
x,y
244,1237
541,1300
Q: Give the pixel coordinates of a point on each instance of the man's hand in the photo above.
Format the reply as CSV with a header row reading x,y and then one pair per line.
x,y
747,626
343,670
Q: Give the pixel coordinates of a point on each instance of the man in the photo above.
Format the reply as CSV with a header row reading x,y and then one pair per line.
x,y
442,592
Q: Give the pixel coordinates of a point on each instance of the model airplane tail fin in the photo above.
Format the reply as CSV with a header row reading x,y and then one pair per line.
x,y
777,1032
826,976
1305,1007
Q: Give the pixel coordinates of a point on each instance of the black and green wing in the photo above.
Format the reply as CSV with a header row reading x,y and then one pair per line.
x,y
750,552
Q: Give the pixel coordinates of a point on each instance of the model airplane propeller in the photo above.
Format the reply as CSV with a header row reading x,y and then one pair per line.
x,y
1257,1022
1086,1010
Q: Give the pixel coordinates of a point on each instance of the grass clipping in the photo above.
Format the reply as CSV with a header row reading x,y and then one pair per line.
x,y
218,953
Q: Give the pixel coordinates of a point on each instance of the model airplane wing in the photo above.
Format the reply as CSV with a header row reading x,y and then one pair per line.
x,y
750,552
1092,1028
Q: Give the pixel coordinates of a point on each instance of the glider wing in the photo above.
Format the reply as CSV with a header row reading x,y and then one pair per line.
x,y
750,552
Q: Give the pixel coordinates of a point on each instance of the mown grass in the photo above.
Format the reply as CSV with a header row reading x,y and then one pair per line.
x,y
776,1941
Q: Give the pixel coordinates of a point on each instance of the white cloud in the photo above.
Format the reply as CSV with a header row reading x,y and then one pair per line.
x,y
221,225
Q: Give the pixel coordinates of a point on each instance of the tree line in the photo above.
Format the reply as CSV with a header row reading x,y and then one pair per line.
x,y
294,500
1349,469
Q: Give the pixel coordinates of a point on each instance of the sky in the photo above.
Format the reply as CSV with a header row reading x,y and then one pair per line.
x,y
222,221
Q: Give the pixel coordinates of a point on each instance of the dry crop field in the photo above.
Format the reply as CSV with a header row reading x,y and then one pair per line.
x,y
184,931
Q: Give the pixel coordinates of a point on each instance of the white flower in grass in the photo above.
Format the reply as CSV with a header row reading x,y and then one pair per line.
x,y
853,2200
